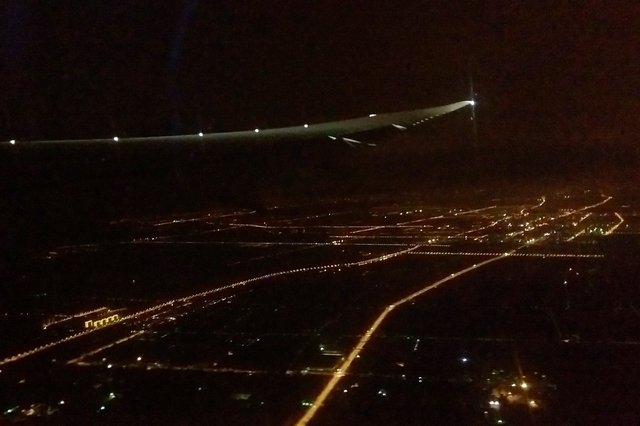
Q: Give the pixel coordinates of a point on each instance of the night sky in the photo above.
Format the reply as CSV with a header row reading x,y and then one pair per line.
x,y
566,71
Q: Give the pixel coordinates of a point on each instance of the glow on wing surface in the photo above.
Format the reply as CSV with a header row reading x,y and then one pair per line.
x,y
333,129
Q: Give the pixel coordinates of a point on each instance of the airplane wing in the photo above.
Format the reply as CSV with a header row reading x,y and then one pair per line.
x,y
336,130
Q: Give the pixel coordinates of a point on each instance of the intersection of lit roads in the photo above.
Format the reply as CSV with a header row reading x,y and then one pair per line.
x,y
547,226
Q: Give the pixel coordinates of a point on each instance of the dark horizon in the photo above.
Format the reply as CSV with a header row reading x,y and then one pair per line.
x,y
58,195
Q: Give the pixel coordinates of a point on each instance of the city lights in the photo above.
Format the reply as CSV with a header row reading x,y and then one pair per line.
x,y
476,232
479,266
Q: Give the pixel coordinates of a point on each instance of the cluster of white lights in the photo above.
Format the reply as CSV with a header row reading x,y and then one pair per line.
x,y
49,323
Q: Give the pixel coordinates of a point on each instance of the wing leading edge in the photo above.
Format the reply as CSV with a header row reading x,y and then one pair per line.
x,y
332,129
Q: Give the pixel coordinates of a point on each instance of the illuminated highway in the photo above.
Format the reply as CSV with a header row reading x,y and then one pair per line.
x,y
343,369
178,302
355,353
420,241
358,261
